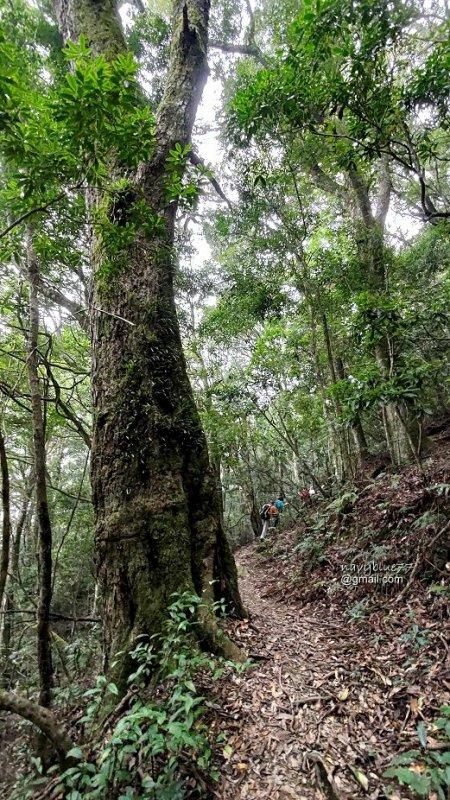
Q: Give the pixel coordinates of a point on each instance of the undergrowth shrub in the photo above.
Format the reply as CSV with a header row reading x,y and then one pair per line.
x,y
162,747
311,550
426,771
344,503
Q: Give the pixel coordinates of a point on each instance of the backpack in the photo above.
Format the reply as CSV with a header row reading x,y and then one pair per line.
x,y
265,511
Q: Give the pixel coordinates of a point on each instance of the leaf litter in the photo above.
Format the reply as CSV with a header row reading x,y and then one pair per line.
x,y
329,700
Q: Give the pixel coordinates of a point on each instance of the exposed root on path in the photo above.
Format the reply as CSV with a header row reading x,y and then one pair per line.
x,y
322,715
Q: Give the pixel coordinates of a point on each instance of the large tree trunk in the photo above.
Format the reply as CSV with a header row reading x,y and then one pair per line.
x,y
155,494
45,665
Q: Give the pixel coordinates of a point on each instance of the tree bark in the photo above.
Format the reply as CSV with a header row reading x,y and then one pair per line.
x,y
6,525
155,495
44,719
6,627
45,665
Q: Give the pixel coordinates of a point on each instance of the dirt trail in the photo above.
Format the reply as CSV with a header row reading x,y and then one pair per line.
x,y
323,715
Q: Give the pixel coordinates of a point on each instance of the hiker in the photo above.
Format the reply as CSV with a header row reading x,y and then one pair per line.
x,y
304,495
269,512
279,504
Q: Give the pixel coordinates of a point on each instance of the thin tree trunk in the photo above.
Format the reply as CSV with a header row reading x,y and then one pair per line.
x,y
361,448
338,455
95,600
6,525
246,483
338,450
251,507
255,516
155,495
45,665
401,431
347,467
7,626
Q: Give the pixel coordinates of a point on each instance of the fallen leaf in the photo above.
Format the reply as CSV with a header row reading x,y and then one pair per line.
x,y
227,751
418,768
414,705
361,778
422,733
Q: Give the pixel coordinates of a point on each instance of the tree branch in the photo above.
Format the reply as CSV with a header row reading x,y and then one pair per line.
x,y
72,496
44,719
325,182
197,161
239,49
62,408
56,296
30,213
54,615
6,390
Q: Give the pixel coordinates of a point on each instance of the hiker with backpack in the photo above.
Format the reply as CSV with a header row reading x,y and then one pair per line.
x,y
279,504
270,512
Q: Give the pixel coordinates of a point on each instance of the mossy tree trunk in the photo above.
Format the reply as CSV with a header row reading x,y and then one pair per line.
x,y
158,509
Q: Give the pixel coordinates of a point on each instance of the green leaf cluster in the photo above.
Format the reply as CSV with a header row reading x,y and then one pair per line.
x,y
165,725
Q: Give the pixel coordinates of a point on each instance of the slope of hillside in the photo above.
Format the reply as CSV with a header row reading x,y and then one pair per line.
x,y
349,625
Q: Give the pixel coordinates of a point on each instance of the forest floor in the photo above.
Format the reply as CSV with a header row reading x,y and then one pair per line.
x,y
345,677
332,702
346,672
